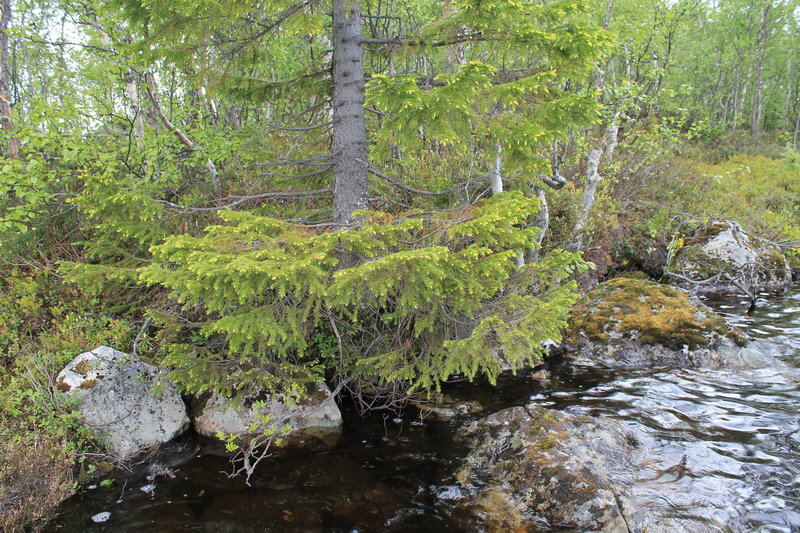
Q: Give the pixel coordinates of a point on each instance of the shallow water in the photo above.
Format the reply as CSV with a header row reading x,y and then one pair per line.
x,y
728,455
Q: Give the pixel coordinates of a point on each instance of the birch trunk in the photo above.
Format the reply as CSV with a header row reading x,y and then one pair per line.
x,y
542,222
12,149
496,175
755,125
496,179
613,137
132,91
592,180
787,106
349,129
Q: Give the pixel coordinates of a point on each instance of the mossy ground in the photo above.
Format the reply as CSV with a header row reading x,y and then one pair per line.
x,y
639,309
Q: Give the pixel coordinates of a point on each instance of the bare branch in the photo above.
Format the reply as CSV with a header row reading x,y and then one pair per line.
x,y
147,323
309,128
405,41
210,167
320,160
239,200
309,175
395,183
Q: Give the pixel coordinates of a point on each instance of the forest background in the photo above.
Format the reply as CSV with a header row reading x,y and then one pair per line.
x,y
382,194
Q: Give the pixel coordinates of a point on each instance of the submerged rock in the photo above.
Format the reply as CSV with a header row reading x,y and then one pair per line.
x,y
118,398
721,257
535,469
316,416
446,408
637,323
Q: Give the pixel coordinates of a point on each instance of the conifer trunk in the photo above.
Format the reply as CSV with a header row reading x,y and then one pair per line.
x,y
349,129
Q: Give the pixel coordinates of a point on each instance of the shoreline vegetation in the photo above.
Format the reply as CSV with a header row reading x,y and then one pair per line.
x,y
256,197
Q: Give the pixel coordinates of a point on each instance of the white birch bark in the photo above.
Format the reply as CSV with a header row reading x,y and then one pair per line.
x,y
496,176
132,92
592,180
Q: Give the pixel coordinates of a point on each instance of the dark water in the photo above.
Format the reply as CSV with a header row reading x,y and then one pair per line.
x,y
728,458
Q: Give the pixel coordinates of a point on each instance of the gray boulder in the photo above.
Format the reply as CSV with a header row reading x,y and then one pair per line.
x,y
316,416
721,257
535,469
119,399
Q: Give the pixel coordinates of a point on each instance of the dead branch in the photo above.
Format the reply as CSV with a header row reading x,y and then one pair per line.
x,y
399,185
210,167
239,200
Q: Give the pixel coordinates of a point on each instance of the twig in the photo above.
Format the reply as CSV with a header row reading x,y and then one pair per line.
x,y
239,200
308,175
147,323
309,128
394,182
210,167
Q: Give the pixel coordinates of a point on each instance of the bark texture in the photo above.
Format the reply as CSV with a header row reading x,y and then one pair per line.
x,y
12,150
132,91
755,126
592,179
349,129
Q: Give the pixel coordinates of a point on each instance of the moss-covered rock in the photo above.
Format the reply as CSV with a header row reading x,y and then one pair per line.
x,y
534,469
646,311
721,257
639,323
315,416
524,469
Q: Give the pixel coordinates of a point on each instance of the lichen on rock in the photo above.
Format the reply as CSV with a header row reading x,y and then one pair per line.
x,y
721,257
116,399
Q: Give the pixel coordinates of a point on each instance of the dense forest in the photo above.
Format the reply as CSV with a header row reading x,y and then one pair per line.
x,y
381,194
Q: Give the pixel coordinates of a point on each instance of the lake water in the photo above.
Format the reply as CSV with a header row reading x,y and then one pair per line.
x,y
729,455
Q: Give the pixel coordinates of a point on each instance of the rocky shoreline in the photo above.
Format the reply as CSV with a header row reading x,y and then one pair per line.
x,y
527,466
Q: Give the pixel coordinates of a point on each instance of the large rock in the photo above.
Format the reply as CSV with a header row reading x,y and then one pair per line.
x,y
316,416
532,469
636,323
119,400
721,257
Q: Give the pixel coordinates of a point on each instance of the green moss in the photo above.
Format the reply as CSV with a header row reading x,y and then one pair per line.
x,y
83,368
794,261
736,336
774,262
88,384
635,274
63,386
647,311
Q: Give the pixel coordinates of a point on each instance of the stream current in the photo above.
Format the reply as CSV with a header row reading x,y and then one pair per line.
x,y
729,460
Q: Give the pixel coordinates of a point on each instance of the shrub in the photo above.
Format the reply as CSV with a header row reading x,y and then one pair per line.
x,y
404,299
